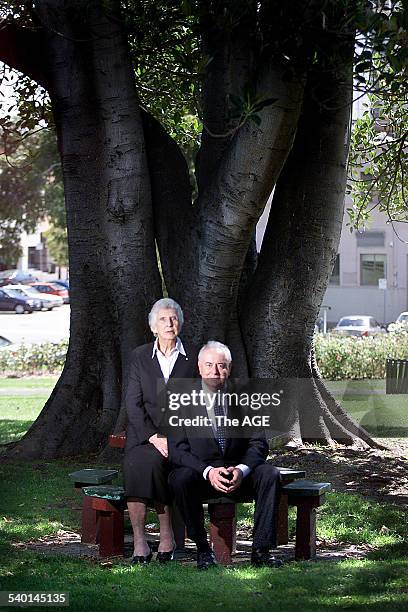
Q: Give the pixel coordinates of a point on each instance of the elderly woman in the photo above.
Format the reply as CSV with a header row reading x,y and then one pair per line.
x,y
146,464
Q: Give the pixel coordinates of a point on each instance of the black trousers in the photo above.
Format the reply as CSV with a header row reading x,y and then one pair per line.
x,y
189,490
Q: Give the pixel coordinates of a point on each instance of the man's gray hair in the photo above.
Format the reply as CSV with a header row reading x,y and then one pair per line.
x,y
165,303
217,346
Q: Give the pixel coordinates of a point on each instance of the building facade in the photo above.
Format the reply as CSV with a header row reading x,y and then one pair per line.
x,y
370,276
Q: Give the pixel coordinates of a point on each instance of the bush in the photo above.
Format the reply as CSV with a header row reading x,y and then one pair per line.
x,y
47,358
338,358
341,358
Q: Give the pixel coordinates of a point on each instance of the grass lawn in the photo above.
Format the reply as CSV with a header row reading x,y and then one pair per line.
x,y
17,414
37,499
382,415
29,382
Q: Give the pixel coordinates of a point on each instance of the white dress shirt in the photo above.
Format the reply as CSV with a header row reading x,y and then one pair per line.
x,y
245,469
166,363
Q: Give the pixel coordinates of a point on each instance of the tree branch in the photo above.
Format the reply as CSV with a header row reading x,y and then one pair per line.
x,y
172,205
303,230
231,205
24,50
227,46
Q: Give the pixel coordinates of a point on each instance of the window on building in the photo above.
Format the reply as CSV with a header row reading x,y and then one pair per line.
x,y
370,239
335,276
372,268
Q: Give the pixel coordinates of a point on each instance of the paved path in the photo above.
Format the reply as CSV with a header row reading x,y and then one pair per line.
x,y
50,326
25,392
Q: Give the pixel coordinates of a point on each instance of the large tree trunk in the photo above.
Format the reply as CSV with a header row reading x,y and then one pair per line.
x,y
296,260
113,271
127,188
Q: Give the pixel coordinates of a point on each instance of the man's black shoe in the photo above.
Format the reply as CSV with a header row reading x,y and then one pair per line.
x,y
206,559
262,558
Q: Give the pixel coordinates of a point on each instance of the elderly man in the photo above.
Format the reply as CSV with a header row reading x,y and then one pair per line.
x,y
212,461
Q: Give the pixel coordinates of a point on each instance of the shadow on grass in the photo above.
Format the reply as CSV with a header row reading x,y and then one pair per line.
x,y
392,551
305,586
12,430
37,499
357,520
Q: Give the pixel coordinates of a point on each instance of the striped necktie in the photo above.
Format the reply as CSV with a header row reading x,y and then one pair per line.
x,y
221,432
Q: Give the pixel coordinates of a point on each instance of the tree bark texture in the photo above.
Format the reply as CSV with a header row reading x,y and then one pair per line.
x,y
114,276
127,191
297,257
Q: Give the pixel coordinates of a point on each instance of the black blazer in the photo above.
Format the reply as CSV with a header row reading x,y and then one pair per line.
x,y
145,379
198,448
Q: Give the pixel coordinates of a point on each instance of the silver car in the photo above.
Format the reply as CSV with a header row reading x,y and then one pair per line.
x,y
48,301
400,322
358,325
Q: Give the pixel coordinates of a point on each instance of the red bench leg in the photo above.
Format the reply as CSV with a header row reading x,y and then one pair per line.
x,y
110,531
222,531
89,520
305,530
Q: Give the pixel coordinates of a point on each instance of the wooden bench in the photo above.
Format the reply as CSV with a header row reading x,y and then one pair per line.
x,y
119,441
108,502
222,513
87,477
105,510
307,496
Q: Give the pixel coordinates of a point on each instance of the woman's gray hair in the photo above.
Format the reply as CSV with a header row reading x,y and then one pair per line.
x,y
165,303
217,346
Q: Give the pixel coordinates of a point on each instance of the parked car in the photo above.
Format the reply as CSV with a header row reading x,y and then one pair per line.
x,y
52,289
4,342
8,303
16,277
63,283
33,300
48,301
358,325
402,319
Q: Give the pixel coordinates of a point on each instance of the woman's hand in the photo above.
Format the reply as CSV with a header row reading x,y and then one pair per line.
x,y
160,443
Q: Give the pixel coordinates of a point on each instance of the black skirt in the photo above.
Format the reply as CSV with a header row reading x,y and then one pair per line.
x,y
145,473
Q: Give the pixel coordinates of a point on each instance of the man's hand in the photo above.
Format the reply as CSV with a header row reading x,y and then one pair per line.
x,y
237,478
217,479
160,443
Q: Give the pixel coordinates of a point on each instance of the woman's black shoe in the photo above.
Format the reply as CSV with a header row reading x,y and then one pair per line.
x,y
164,557
141,560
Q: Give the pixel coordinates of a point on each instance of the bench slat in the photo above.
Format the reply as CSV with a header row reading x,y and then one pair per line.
x,y
289,474
93,476
109,492
307,488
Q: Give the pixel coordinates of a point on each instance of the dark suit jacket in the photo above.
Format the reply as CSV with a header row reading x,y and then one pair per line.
x,y
198,448
145,378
